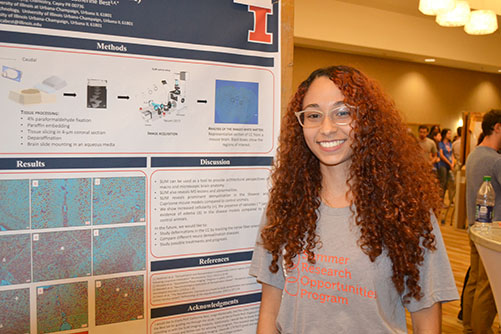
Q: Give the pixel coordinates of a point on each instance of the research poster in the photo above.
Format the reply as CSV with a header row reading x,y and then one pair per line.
x,y
137,138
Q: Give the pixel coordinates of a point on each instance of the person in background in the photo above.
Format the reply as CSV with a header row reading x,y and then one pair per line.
x,y
446,164
349,238
456,149
479,308
436,137
433,131
456,152
428,145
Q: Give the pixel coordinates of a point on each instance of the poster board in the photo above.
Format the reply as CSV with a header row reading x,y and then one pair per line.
x,y
136,145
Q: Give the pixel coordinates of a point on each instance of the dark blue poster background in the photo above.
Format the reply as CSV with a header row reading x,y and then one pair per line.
x,y
204,22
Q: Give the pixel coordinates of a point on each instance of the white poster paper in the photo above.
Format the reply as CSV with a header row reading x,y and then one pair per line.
x,y
137,141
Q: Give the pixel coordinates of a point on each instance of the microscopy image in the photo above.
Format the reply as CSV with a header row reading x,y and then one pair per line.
x,y
62,307
15,259
119,200
119,299
119,250
15,311
96,93
60,203
58,255
14,205
237,102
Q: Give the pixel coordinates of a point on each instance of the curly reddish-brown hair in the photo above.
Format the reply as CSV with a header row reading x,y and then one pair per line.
x,y
393,187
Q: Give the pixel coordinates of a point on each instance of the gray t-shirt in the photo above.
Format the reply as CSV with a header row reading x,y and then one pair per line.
x,y
344,292
483,161
429,147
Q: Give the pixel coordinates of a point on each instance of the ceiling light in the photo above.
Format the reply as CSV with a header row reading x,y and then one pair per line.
x,y
456,17
434,7
429,60
482,22
499,71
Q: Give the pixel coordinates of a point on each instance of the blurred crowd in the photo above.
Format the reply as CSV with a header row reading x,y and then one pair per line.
x,y
442,149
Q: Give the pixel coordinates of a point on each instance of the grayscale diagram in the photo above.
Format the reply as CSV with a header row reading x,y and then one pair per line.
x,y
96,94
165,98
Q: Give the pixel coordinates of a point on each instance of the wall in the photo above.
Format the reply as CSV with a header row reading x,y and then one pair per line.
x,y
350,27
423,93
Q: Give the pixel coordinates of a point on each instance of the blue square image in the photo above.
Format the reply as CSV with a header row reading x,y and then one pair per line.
x,y
15,311
60,203
118,200
14,205
15,259
121,249
236,102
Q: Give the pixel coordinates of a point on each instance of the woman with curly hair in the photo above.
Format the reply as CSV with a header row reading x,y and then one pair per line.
x,y
349,238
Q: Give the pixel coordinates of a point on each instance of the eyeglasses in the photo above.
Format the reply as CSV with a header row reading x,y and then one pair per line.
x,y
340,114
